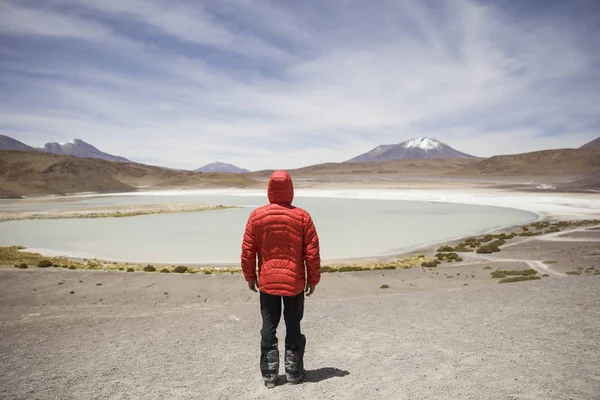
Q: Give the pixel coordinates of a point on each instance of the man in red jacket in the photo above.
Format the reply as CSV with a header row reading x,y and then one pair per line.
x,y
287,245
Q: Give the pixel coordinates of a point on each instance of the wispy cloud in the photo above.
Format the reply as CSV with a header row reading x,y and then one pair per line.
x,y
270,84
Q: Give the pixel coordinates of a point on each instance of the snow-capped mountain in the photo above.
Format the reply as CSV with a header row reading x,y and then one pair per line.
x,y
411,149
218,166
8,143
79,148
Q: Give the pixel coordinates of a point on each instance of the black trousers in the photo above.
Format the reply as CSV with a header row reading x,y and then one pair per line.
x,y
295,341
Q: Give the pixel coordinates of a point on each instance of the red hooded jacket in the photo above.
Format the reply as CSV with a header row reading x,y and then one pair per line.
x,y
285,239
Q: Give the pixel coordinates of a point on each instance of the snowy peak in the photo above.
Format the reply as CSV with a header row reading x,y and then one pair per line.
x,y
79,148
419,148
424,143
218,166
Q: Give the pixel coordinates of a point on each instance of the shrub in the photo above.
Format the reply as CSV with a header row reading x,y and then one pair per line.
x,y
72,267
573,272
504,273
328,269
164,271
525,228
22,266
498,243
487,267
149,268
384,287
16,265
430,264
44,264
487,249
487,238
350,268
519,279
207,272
72,292
180,269
545,276
98,284
121,268
445,249
447,256
65,266
130,270
550,262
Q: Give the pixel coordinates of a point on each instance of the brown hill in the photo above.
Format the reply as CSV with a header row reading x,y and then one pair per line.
x,y
563,162
572,169
33,173
408,167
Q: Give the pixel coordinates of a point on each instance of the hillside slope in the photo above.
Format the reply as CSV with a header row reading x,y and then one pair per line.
x,y
404,167
593,144
9,144
32,173
562,162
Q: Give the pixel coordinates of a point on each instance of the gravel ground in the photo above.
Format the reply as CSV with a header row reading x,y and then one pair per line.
x,y
529,340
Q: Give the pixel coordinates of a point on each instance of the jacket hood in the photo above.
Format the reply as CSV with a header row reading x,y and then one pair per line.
x,y
281,188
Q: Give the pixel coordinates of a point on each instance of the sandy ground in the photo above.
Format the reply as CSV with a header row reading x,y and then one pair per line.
x,y
442,333
143,335
450,332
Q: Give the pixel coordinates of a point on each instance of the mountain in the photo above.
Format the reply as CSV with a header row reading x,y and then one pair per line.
x,y
593,144
566,169
79,148
411,149
8,143
218,166
40,173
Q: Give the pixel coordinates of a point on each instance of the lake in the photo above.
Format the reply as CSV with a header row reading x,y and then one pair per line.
x,y
347,227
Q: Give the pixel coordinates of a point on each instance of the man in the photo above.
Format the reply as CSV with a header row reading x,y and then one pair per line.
x,y
285,240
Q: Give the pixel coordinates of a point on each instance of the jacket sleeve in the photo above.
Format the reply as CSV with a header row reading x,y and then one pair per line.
x,y
249,251
311,252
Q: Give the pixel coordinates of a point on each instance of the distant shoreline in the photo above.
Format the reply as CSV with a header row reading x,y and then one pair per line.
x,y
121,211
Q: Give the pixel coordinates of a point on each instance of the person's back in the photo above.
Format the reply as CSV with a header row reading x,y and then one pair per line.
x,y
285,240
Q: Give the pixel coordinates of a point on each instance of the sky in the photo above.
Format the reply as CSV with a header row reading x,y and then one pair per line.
x,y
286,83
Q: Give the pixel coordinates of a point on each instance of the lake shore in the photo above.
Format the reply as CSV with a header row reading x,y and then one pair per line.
x,y
544,205
119,211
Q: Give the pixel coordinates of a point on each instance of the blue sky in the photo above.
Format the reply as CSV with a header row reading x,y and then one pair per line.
x,y
283,84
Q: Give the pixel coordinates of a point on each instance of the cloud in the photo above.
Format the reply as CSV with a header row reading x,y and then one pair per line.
x,y
267,84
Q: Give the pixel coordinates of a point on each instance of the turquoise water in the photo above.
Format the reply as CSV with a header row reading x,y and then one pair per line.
x,y
348,228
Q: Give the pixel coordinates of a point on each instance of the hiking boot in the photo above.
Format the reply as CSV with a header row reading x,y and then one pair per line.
x,y
297,380
269,384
